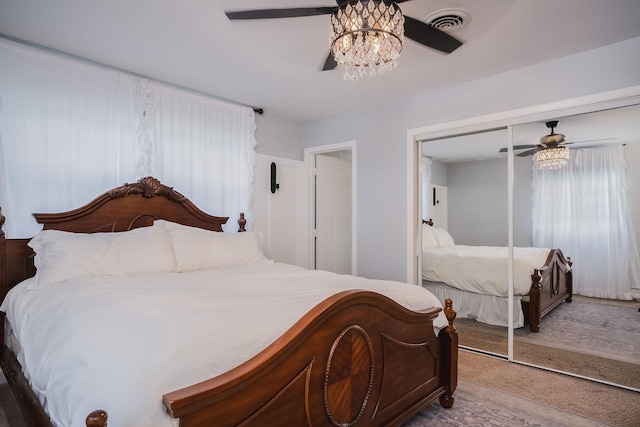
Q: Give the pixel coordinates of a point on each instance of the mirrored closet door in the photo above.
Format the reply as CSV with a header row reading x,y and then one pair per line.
x,y
464,212
588,219
590,210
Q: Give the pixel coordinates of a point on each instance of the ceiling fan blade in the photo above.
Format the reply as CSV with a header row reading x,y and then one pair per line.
x,y
280,13
539,147
430,36
517,147
529,152
330,63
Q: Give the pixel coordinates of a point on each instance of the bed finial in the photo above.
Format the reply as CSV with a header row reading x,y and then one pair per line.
x,y
97,419
451,314
242,222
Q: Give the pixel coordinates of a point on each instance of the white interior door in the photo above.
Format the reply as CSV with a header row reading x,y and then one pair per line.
x,y
332,231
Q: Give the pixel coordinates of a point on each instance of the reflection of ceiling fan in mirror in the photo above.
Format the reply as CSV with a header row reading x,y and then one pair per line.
x,y
367,34
551,141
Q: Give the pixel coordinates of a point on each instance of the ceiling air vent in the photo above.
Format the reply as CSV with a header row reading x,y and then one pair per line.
x,y
449,20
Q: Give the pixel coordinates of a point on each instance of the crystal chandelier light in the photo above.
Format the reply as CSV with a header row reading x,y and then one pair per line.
x,y
552,158
366,37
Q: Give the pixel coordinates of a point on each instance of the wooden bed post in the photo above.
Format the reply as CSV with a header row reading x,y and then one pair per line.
x,y
449,355
569,280
242,222
534,301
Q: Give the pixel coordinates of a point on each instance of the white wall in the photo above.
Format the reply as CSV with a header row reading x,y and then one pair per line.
x,y
438,173
278,137
477,194
382,136
281,217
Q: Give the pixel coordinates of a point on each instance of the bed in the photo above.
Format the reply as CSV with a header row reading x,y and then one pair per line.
x,y
476,278
348,351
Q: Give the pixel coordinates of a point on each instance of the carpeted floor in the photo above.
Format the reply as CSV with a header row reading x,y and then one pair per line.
x,y
589,337
494,392
477,405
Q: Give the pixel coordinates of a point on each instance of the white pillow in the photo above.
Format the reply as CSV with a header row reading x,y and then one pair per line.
x,y
62,255
429,239
444,238
198,249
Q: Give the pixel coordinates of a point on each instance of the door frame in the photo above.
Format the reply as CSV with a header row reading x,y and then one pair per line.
x,y
309,159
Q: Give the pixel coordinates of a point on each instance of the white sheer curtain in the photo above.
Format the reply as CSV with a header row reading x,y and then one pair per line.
x,y
66,133
582,209
70,130
206,149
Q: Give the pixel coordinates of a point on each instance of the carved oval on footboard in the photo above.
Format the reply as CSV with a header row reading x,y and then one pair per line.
x,y
349,376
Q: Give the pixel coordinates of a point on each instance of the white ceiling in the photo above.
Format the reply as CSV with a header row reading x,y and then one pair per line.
x,y
275,64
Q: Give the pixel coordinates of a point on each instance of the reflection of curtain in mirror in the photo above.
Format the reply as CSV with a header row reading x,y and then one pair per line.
x,y
582,209
426,187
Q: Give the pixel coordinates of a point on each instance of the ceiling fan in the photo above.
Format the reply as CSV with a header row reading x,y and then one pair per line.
x,y
414,29
547,142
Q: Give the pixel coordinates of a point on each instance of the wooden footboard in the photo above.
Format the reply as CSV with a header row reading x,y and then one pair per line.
x,y
551,285
356,359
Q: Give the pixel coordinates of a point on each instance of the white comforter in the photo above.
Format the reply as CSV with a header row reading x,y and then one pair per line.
x,y
119,345
482,269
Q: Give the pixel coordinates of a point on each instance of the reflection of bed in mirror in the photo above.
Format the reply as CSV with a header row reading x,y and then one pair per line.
x,y
476,278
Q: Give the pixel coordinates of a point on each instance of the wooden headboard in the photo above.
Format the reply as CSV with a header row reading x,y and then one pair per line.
x,y
120,209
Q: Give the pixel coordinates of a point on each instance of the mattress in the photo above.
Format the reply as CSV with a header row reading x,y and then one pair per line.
x,y
482,269
129,340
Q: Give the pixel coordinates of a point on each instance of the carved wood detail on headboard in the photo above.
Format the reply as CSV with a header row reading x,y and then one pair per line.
x,y
147,187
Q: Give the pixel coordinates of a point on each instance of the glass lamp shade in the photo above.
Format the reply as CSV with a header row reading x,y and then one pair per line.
x,y
552,158
366,37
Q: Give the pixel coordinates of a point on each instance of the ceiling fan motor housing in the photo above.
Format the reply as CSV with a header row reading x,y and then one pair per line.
x,y
553,138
